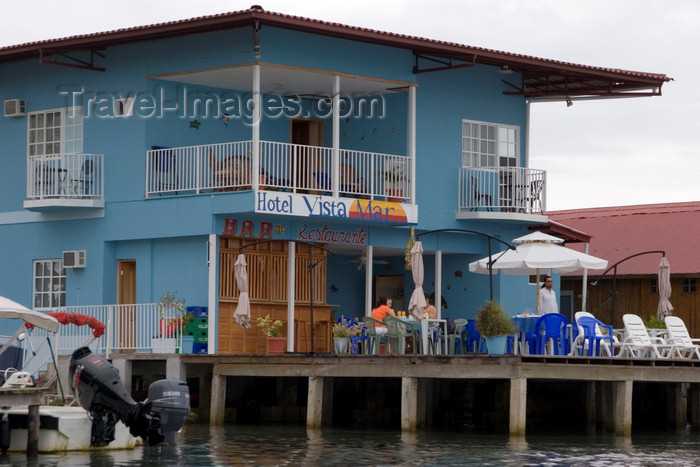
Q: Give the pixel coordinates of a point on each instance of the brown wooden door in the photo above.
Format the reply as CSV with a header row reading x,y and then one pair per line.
x,y
126,295
309,163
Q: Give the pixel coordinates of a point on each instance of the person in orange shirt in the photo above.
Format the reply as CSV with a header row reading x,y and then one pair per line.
x,y
379,313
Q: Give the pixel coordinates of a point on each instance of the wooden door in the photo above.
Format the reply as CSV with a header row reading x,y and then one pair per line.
x,y
308,160
126,295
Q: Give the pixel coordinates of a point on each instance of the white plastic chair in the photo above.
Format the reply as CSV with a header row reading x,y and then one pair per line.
x,y
580,347
638,343
679,337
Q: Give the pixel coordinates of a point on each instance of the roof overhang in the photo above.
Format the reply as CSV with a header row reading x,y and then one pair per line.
x,y
532,77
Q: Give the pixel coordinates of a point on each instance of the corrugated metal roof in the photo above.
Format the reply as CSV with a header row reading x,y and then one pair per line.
x,y
622,231
540,77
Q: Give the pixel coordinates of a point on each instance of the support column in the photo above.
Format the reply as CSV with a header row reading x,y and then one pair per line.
x,y
123,366
33,431
694,401
623,407
218,398
314,405
438,283
518,406
291,278
409,404
369,254
590,407
174,369
213,293
412,140
335,168
678,396
257,115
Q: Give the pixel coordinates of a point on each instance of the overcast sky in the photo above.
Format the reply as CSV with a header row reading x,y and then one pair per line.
x,y
596,153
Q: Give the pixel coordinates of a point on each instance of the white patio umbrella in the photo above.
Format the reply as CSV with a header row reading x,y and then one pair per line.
x,y
417,302
537,252
242,313
665,307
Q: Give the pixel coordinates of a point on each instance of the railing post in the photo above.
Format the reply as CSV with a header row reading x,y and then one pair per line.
x,y
199,160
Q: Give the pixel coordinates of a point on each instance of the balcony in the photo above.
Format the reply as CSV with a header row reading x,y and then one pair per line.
x,y
65,181
128,328
501,192
284,167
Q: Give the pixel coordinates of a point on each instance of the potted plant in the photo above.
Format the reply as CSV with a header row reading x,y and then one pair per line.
x,y
495,325
394,175
341,331
171,326
271,328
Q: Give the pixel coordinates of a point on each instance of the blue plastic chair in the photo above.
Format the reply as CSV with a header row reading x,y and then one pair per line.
x,y
551,326
473,340
592,338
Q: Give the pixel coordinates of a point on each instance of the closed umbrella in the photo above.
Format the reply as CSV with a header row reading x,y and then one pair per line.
x,y
665,307
538,251
417,303
242,313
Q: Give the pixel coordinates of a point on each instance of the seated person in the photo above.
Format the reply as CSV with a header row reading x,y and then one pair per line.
x,y
379,313
429,311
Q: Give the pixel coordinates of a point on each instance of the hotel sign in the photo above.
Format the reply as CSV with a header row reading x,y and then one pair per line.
x,y
293,204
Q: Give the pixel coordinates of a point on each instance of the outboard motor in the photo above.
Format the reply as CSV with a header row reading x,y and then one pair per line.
x,y
99,390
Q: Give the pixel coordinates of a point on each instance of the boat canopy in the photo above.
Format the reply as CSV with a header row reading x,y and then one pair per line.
x,y
13,310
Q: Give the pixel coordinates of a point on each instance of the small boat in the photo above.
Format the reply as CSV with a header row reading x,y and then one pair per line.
x,y
107,418
62,428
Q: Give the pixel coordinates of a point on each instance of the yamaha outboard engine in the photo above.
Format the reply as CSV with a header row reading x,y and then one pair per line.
x,y
99,390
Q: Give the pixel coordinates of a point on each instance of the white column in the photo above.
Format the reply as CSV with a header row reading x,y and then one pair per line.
x,y
212,295
412,139
584,289
438,283
256,126
291,259
218,398
336,136
369,253
527,133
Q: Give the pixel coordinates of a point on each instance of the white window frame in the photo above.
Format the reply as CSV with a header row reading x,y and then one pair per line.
x,y
49,284
68,133
486,144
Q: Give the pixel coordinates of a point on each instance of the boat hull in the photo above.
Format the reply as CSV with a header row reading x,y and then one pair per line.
x,y
63,429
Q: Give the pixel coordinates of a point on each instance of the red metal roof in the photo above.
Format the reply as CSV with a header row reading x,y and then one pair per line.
x,y
621,231
540,77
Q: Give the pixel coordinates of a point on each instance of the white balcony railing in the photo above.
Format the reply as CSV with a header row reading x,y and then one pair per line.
x,y
502,189
282,166
65,176
139,327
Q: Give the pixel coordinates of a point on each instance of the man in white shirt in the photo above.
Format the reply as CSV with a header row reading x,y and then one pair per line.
x,y
548,299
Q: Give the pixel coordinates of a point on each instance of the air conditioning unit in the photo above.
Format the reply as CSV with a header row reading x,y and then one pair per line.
x,y
74,259
15,108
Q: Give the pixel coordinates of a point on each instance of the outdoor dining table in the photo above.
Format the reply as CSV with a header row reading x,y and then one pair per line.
x,y
524,324
424,333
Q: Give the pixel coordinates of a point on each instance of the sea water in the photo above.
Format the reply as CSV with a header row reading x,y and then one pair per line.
x,y
293,445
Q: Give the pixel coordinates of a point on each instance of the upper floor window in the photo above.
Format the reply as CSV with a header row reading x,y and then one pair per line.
x,y
54,132
689,285
49,283
489,144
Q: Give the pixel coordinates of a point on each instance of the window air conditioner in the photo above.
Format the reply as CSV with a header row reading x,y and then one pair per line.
x,y
74,259
15,108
